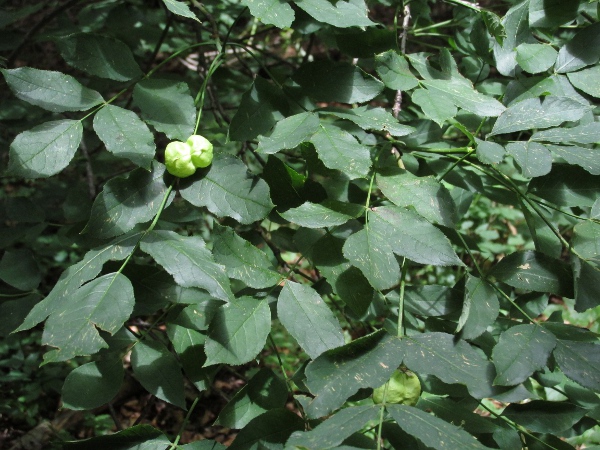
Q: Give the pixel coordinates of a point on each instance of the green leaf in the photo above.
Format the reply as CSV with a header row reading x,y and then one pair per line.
x,y
19,269
53,91
14,312
337,374
432,300
516,27
180,9
330,213
588,158
533,158
339,150
463,95
189,346
410,235
455,412
242,260
489,152
544,416
268,431
45,149
125,135
333,431
586,240
427,195
439,108
394,71
98,55
587,285
521,350
432,431
104,303
344,13
71,279
271,12
204,444
289,133
480,308
581,134
126,201
544,239
228,189
261,107
535,113
579,361
534,271
372,254
308,319
158,371
587,80
370,118
93,384
238,331
330,81
138,437
551,13
264,391
451,360
567,186
494,25
536,58
167,105
188,260
583,50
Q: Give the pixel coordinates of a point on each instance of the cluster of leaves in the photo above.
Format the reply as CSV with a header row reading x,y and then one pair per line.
x,y
320,209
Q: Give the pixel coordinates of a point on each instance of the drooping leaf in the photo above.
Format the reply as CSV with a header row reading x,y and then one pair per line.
x,y
535,271
579,361
308,319
333,431
45,149
188,260
587,80
98,55
238,331
19,269
330,213
489,152
338,373
138,437
93,384
583,50
167,105
126,201
545,416
587,285
494,26
432,300
330,81
339,150
535,113
586,240
536,58
189,346
567,186
104,303
588,158
157,369
344,13
228,189
125,135
268,431
410,235
394,71
371,253
438,108
480,308
369,118
274,12
516,27
53,91
544,239
428,196
533,158
180,8
432,431
289,133
454,412
264,391
261,107
242,260
521,350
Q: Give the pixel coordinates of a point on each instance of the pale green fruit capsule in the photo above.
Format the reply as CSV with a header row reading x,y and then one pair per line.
x,y
403,388
202,150
178,159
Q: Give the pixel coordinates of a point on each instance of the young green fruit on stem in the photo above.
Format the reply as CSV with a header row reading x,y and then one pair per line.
x,y
403,387
183,158
202,150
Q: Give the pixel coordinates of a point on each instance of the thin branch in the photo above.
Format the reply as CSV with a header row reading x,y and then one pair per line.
x,y
405,22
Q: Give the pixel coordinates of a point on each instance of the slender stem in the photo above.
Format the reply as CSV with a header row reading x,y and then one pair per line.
x,y
184,424
456,163
401,298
